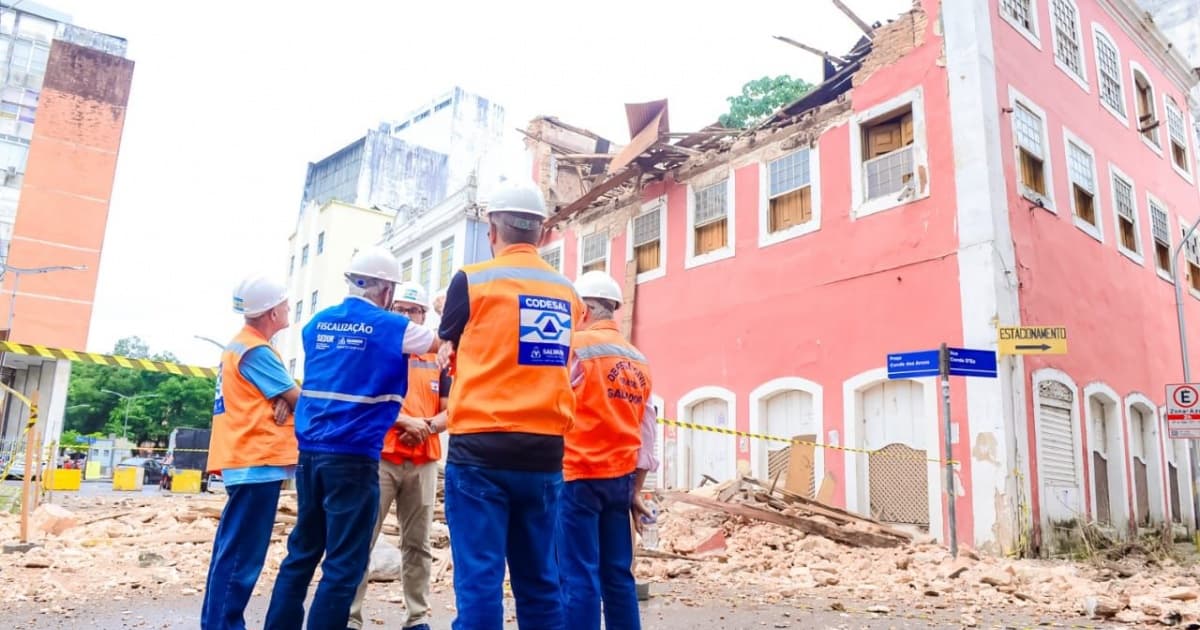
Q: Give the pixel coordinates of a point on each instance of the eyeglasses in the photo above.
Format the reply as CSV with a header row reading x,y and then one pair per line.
x,y
408,310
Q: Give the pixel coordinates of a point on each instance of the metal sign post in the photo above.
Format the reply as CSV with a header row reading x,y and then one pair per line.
x,y
944,356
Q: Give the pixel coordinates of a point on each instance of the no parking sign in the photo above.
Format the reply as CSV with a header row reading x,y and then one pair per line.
x,y
1183,411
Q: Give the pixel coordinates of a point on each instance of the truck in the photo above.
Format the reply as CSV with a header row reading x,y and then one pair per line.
x,y
188,450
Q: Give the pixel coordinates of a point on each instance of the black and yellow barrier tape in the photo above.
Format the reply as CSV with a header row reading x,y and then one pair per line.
x,y
775,438
33,416
78,356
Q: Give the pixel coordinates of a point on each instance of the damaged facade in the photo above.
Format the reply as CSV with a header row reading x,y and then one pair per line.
x,y
965,166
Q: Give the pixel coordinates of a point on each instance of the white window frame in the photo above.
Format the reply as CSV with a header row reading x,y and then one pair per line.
x,y
691,260
1152,201
1138,256
765,236
1098,32
861,207
1095,231
1033,34
1171,103
1136,68
556,245
1015,97
1184,225
659,203
607,252
1081,78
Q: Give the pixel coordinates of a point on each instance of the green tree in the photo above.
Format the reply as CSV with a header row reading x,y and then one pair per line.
x,y
177,401
760,98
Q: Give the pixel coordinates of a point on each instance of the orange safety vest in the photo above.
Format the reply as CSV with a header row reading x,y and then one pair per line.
x,y
511,371
609,405
423,400
244,432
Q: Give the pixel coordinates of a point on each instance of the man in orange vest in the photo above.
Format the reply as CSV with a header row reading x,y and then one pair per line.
x,y
609,450
408,469
253,446
508,322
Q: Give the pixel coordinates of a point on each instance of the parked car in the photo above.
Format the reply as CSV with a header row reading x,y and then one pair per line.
x,y
18,470
151,466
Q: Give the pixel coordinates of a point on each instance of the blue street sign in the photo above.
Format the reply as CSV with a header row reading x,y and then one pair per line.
x,y
968,362
914,364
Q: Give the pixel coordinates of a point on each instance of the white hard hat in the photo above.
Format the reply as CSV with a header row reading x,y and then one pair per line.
x,y
257,294
412,293
518,197
597,284
374,262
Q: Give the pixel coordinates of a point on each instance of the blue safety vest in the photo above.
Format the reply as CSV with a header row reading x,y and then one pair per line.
x,y
355,378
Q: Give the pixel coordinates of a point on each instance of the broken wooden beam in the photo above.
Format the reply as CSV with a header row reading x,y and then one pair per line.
x,y
592,195
874,537
834,59
866,28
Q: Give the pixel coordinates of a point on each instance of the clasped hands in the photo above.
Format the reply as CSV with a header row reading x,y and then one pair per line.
x,y
414,431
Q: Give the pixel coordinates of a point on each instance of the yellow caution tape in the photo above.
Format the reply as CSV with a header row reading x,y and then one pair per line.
x,y
775,438
12,456
77,356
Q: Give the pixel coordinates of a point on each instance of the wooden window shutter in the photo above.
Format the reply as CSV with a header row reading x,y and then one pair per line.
x,y
883,139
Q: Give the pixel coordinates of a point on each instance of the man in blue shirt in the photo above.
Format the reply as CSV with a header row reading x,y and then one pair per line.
x,y
355,379
253,446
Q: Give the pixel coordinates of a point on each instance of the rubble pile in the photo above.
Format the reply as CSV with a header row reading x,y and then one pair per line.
x,y
706,537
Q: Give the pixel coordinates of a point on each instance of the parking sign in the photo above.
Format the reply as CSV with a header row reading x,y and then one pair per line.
x,y
1183,411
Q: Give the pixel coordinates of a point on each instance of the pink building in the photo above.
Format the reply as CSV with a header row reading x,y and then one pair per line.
x,y
1017,162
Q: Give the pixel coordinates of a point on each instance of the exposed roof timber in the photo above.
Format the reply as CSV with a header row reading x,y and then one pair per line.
x,y
816,51
593,194
853,17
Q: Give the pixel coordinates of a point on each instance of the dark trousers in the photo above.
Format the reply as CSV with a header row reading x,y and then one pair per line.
x,y
496,515
238,553
338,501
595,553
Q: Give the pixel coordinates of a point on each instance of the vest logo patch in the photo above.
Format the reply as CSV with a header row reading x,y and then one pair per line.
x,y
545,331
433,385
219,400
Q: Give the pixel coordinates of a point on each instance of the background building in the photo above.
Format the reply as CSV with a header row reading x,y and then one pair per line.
x,y
972,165
413,184
62,113
327,235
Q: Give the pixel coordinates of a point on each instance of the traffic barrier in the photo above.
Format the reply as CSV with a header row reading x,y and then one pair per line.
x,y
128,479
186,482
64,479
78,356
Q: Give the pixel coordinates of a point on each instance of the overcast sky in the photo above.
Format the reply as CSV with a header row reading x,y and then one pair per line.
x,y
231,100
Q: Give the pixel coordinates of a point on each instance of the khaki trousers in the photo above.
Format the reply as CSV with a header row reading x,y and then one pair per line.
x,y
413,489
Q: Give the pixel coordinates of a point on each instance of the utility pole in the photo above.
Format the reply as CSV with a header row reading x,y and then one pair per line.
x,y
127,399
1194,450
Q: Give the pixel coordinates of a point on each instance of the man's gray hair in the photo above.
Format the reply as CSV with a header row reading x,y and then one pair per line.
x,y
600,308
363,286
517,227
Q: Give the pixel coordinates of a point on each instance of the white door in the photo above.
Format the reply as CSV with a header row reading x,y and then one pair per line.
x,y
897,488
787,414
1058,459
712,453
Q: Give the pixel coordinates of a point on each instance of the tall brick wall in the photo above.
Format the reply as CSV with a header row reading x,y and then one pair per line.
x,y
64,204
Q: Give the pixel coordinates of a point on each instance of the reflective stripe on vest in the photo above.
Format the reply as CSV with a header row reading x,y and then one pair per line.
x,y
517,273
351,398
609,350
423,401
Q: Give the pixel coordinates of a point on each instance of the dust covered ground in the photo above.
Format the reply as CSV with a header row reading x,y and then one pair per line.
x,y
139,561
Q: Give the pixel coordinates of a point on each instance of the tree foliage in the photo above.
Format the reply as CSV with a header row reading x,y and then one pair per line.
x,y
163,402
760,98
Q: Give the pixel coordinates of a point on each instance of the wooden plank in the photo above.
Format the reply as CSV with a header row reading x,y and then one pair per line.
x,y
586,200
866,28
816,51
799,477
828,511
837,534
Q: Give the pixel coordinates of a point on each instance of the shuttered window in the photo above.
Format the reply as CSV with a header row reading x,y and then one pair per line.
x,y
789,189
710,220
1027,130
1162,237
647,240
1066,36
1178,135
595,250
1126,213
1058,445
1081,170
1109,71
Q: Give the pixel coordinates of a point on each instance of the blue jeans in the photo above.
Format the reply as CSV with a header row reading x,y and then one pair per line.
x,y
239,550
338,501
595,553
495,515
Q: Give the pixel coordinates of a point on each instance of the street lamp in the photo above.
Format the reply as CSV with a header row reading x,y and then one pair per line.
x,y
127,399
1187,370
18,272
211,340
